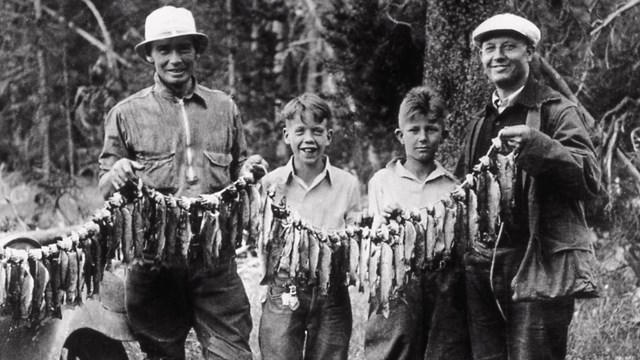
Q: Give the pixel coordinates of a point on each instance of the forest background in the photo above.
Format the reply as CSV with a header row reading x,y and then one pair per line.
x,y
64,63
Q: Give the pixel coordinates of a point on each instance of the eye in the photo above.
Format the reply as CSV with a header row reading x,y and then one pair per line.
x,y
318,131
414,129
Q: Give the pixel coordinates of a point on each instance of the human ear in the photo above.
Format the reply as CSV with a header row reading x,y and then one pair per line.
x,y
399,135
285,136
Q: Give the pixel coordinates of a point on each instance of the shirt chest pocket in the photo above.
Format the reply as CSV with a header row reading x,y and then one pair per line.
x,y
216,171
160,171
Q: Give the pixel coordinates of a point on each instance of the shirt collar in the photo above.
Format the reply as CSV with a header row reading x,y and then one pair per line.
x,y
397,167
325,173
194,93
501,104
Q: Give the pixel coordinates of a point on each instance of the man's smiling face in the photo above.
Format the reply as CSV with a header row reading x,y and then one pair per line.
x,y
506,61
174,60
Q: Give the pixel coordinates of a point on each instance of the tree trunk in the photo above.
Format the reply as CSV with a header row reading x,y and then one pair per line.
x,y
41,117
451,63
231,61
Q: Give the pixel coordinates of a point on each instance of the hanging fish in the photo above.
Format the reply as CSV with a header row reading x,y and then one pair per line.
x,y
295,251
438,216
419,249
116,227
303,249
171,230
40,276
244,216
207,237
386,274
274,248
127,233
374,266
284,262
355,237
160,226
184,233
449,232
314,256
26,291
48,291
3,282
147,215
71,284
473,236
341,258
409,242
255,225
396,235
324,267
137,222
430,239
62,276
488,205
97,252
365,247
80,282
88,270
506,169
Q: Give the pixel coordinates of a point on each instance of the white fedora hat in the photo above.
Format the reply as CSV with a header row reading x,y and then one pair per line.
x,y
506,23
168,22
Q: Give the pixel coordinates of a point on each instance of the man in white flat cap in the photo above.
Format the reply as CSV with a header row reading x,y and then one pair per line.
x,y
180,138
521,283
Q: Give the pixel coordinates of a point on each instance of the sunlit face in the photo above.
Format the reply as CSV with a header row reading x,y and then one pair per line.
x,y
308,140
421,137
506,61
174,60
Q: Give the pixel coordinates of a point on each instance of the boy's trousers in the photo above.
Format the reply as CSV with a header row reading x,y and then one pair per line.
x,y
426,321
325,321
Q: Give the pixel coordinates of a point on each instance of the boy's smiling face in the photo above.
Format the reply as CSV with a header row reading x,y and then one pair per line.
x,y
421,137
308,139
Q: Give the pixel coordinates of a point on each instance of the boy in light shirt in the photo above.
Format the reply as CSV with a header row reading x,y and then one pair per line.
x,y
325,197
427,317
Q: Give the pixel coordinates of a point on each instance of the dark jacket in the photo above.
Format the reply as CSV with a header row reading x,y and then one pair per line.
x,y
561,171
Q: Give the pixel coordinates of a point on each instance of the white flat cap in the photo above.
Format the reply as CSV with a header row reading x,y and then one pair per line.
x,y
505,23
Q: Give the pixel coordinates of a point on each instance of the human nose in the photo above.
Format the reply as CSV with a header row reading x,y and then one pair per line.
x,y
307,136
174,57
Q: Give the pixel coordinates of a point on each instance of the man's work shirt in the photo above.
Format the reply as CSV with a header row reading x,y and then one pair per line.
x,y
188,146
396,185
331,202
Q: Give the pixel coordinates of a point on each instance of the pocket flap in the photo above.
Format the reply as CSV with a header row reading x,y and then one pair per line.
x,y
220,159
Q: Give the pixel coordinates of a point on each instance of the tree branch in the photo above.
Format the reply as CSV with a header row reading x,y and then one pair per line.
x,y
90,38
562,85
613,15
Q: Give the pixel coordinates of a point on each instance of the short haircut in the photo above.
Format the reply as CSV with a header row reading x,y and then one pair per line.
x,y
307,107
422,100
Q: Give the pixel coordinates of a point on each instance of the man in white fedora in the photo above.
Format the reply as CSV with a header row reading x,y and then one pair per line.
x,y
521,284
184,139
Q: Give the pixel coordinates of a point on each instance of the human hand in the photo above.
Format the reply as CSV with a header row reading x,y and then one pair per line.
x,y
123,171
392,210
515,137
255,164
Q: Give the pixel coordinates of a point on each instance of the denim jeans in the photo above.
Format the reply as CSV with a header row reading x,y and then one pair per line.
x,y
531,331
427,320
163,304
325,320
